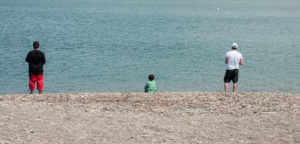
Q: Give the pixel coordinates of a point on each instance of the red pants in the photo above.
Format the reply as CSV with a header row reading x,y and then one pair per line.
x,y
38,79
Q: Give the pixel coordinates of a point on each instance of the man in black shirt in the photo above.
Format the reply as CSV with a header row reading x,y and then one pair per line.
x,y
36,60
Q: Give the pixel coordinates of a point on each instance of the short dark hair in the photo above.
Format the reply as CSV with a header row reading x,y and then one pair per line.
x,y
35,44
151,77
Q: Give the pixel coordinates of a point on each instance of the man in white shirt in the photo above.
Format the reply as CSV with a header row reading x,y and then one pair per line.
x,y
233,60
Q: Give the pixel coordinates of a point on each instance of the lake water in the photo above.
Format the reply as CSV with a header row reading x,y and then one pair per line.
x,y
112,45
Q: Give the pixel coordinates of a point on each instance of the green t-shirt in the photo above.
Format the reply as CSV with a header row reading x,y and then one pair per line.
x,y
150,86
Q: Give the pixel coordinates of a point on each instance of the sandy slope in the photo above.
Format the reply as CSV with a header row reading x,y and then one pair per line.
x,y
199,117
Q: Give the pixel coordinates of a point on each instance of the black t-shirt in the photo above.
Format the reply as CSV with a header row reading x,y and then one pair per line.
x,y
36,60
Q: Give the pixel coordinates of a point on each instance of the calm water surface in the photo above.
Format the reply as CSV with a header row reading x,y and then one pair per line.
x,y
112,45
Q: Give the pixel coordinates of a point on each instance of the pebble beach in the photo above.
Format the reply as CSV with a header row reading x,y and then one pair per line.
x,y
166,117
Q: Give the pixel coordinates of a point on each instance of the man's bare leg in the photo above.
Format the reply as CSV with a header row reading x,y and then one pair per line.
x,y
31,91
226,87
234,87
40,92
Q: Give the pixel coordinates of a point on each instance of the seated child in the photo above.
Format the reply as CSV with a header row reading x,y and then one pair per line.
x,y
150,86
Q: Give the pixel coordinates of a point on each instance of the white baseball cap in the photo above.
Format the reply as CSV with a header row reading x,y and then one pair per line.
x,y
234,45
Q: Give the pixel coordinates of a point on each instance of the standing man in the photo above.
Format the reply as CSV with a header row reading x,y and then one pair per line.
x,y
233,60
36,60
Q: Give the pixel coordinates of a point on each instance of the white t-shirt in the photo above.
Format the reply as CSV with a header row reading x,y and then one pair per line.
x,y
234,58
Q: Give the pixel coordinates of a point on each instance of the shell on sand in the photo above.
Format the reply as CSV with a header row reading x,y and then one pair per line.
x,y
168,117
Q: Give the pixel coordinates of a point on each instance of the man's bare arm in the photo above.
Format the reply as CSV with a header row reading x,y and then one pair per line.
x,y
226,60
241,61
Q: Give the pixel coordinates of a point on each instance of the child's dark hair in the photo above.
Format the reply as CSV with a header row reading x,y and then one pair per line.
x,y
151,77
35,44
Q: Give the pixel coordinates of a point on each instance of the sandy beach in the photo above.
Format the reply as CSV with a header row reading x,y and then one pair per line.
x,y
190,117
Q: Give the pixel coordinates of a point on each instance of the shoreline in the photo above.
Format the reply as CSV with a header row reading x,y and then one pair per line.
x,y
164,117
160,92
